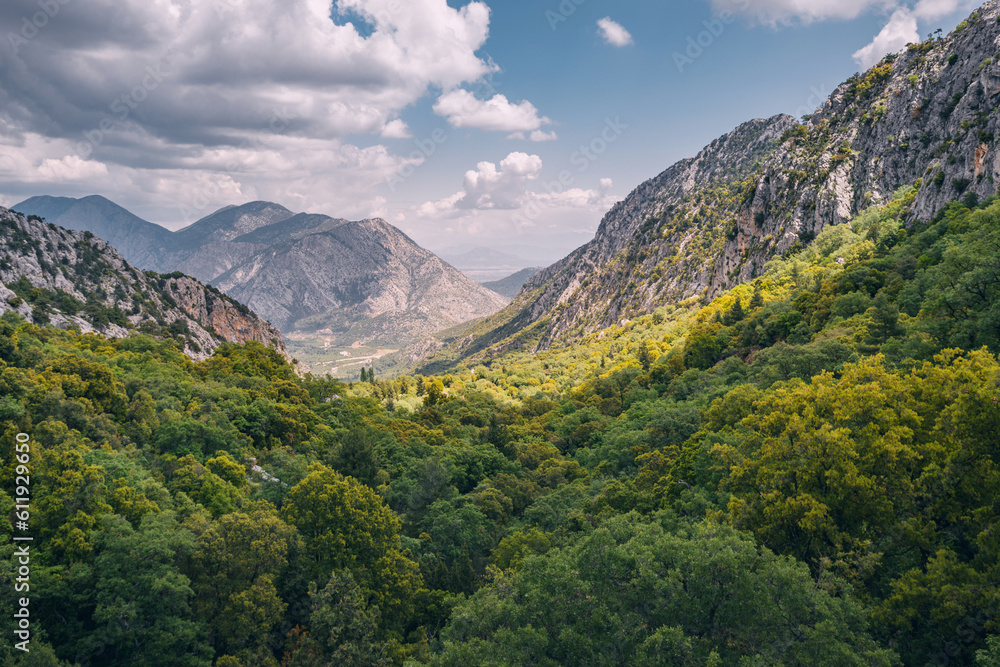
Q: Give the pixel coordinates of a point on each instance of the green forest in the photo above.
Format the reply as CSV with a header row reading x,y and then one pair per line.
x,y
804,470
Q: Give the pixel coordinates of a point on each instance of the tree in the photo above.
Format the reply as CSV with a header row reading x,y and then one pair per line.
x,y
435,393
826,468
347,526
142,612
235,565
757,300
631,593
344,628
735,313
702,349
345,523
885,319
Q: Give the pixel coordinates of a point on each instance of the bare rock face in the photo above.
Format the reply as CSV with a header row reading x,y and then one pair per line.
x,y
336,273
305,273
926,118
74,279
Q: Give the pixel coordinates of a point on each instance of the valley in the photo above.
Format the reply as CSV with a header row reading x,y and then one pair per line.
x,y
752,420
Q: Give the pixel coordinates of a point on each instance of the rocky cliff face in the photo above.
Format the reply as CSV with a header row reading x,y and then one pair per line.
x,y
359,281
51,275
926,117
337,273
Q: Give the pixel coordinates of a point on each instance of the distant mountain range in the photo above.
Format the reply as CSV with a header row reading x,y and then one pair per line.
x,y
350,281
51,275
487,264
512,284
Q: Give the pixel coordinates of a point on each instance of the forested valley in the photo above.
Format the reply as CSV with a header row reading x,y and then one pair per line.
x,y
802,471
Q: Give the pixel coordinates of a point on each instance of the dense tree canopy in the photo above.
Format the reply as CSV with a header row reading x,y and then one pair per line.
x,y
801,471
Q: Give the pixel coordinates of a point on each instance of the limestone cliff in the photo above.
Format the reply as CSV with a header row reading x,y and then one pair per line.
x,y
925,117
51,275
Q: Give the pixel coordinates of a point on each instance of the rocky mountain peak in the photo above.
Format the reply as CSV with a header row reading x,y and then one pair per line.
x,y
51,275
925,118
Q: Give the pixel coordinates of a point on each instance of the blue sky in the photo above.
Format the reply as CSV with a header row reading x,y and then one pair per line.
x,y
174,108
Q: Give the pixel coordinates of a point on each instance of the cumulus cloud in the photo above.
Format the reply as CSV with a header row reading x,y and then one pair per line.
x,y
228,99
488,188
898,32
71,168
396,129
463,109
213,70
613,32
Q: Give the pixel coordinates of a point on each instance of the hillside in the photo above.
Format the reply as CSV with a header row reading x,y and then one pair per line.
x,y
50,275
802,471
512,284
342,292
926,117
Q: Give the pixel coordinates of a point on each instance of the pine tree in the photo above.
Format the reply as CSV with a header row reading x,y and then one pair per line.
x,y
734,314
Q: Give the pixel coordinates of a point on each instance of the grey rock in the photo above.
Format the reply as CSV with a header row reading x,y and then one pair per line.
x,y
86,268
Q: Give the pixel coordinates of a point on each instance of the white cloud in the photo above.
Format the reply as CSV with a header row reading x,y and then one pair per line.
x,y
536,136
898,32
228,100
396,129
488,188
540,135
301,173
71,168
782,12
613,32
463,109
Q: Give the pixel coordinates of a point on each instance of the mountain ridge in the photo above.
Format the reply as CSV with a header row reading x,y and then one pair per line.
x,y
49,274
925,117
330,282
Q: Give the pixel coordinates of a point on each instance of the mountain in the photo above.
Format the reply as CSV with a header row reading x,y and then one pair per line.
x,y
485,264
511,285
329,283
926,117
140,242
315,272
49,274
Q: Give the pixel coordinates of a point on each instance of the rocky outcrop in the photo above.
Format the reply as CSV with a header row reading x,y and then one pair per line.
x,y
306,273
51,275
926,118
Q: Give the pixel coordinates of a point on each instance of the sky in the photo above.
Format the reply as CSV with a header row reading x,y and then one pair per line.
x,y
512,124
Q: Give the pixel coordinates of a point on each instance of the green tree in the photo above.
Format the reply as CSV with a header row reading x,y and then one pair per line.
x,y
142,613
885,319
633,593
234,568
346,525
